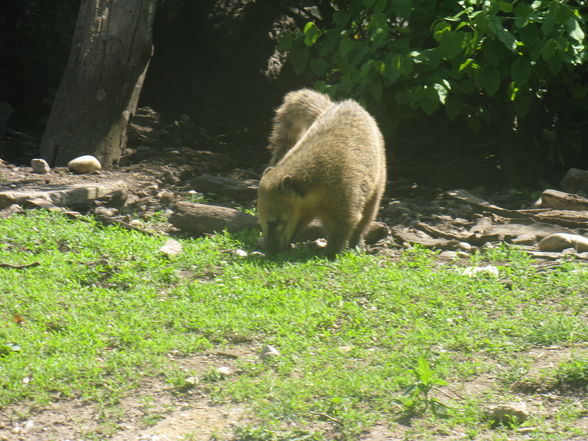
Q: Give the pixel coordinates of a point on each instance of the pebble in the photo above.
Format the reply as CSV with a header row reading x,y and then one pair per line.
x,y
508,413
171,248
40,166
268,352
477,270
84,164
562,241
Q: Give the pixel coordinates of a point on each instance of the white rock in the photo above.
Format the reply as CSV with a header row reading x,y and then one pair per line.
x,y
40,166
240,253
472,271
171,248
225,371
84,164
561,241
509,412
268,352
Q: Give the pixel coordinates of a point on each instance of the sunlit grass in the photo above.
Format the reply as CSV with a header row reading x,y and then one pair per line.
x,y
104,307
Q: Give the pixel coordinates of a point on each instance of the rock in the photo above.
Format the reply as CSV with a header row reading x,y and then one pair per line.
x,y
84,164
268,352
43,203
68,195
575,181
11,210
225,371
563,201
242,190
561,241
171,248
472,271
40,166
509,413
240,253
202,218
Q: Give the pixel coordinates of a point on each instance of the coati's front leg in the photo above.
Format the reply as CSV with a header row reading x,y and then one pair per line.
x,y
338,233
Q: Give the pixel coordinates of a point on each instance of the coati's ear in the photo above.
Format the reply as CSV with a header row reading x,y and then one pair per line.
x,y
266,170
289,184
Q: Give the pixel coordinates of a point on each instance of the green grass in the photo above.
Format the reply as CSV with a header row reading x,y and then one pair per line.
x,y
363,339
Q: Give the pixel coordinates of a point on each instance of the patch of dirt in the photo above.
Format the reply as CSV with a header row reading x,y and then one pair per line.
x,y
156,411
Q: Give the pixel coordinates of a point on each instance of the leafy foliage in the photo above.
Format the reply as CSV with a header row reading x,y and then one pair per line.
x,y
482,63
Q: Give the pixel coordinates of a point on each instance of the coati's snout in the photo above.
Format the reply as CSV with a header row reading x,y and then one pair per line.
x,y
274,239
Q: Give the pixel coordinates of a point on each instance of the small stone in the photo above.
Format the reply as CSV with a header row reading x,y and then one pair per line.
x,y
509,413
448,255
84,164
464,246
105,211
256,254
472,271
240,253
268,352
136,223
171,248
562,241
225,371
40,166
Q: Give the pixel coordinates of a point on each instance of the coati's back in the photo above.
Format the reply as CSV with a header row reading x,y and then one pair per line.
x,y
298,111
343,143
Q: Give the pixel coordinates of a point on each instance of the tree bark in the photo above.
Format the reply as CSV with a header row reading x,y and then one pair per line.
x,y
100,87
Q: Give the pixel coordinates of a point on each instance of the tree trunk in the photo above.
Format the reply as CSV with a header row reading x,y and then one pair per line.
x,y
100,87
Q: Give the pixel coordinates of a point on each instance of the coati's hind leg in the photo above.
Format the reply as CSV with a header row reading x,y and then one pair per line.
x,y
368,215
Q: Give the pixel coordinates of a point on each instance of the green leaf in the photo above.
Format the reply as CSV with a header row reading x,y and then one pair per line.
x,y
549,49
523,13
311,33
575,30
345,47
493,51
439,29
380,6
376,89
468,63
547,25
392,70
328,43
520,70
402,8
505,6
489,80
318,66
522,104
442,90
451,44
298,56
341,18
453,106
494,25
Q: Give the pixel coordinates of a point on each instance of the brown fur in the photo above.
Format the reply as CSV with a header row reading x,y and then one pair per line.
x,y
298,111
336,172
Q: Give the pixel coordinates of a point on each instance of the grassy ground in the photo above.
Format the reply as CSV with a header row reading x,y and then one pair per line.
x,y
364,340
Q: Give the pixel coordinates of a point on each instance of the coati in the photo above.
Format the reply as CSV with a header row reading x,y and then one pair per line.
x,y
336,172
298,111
